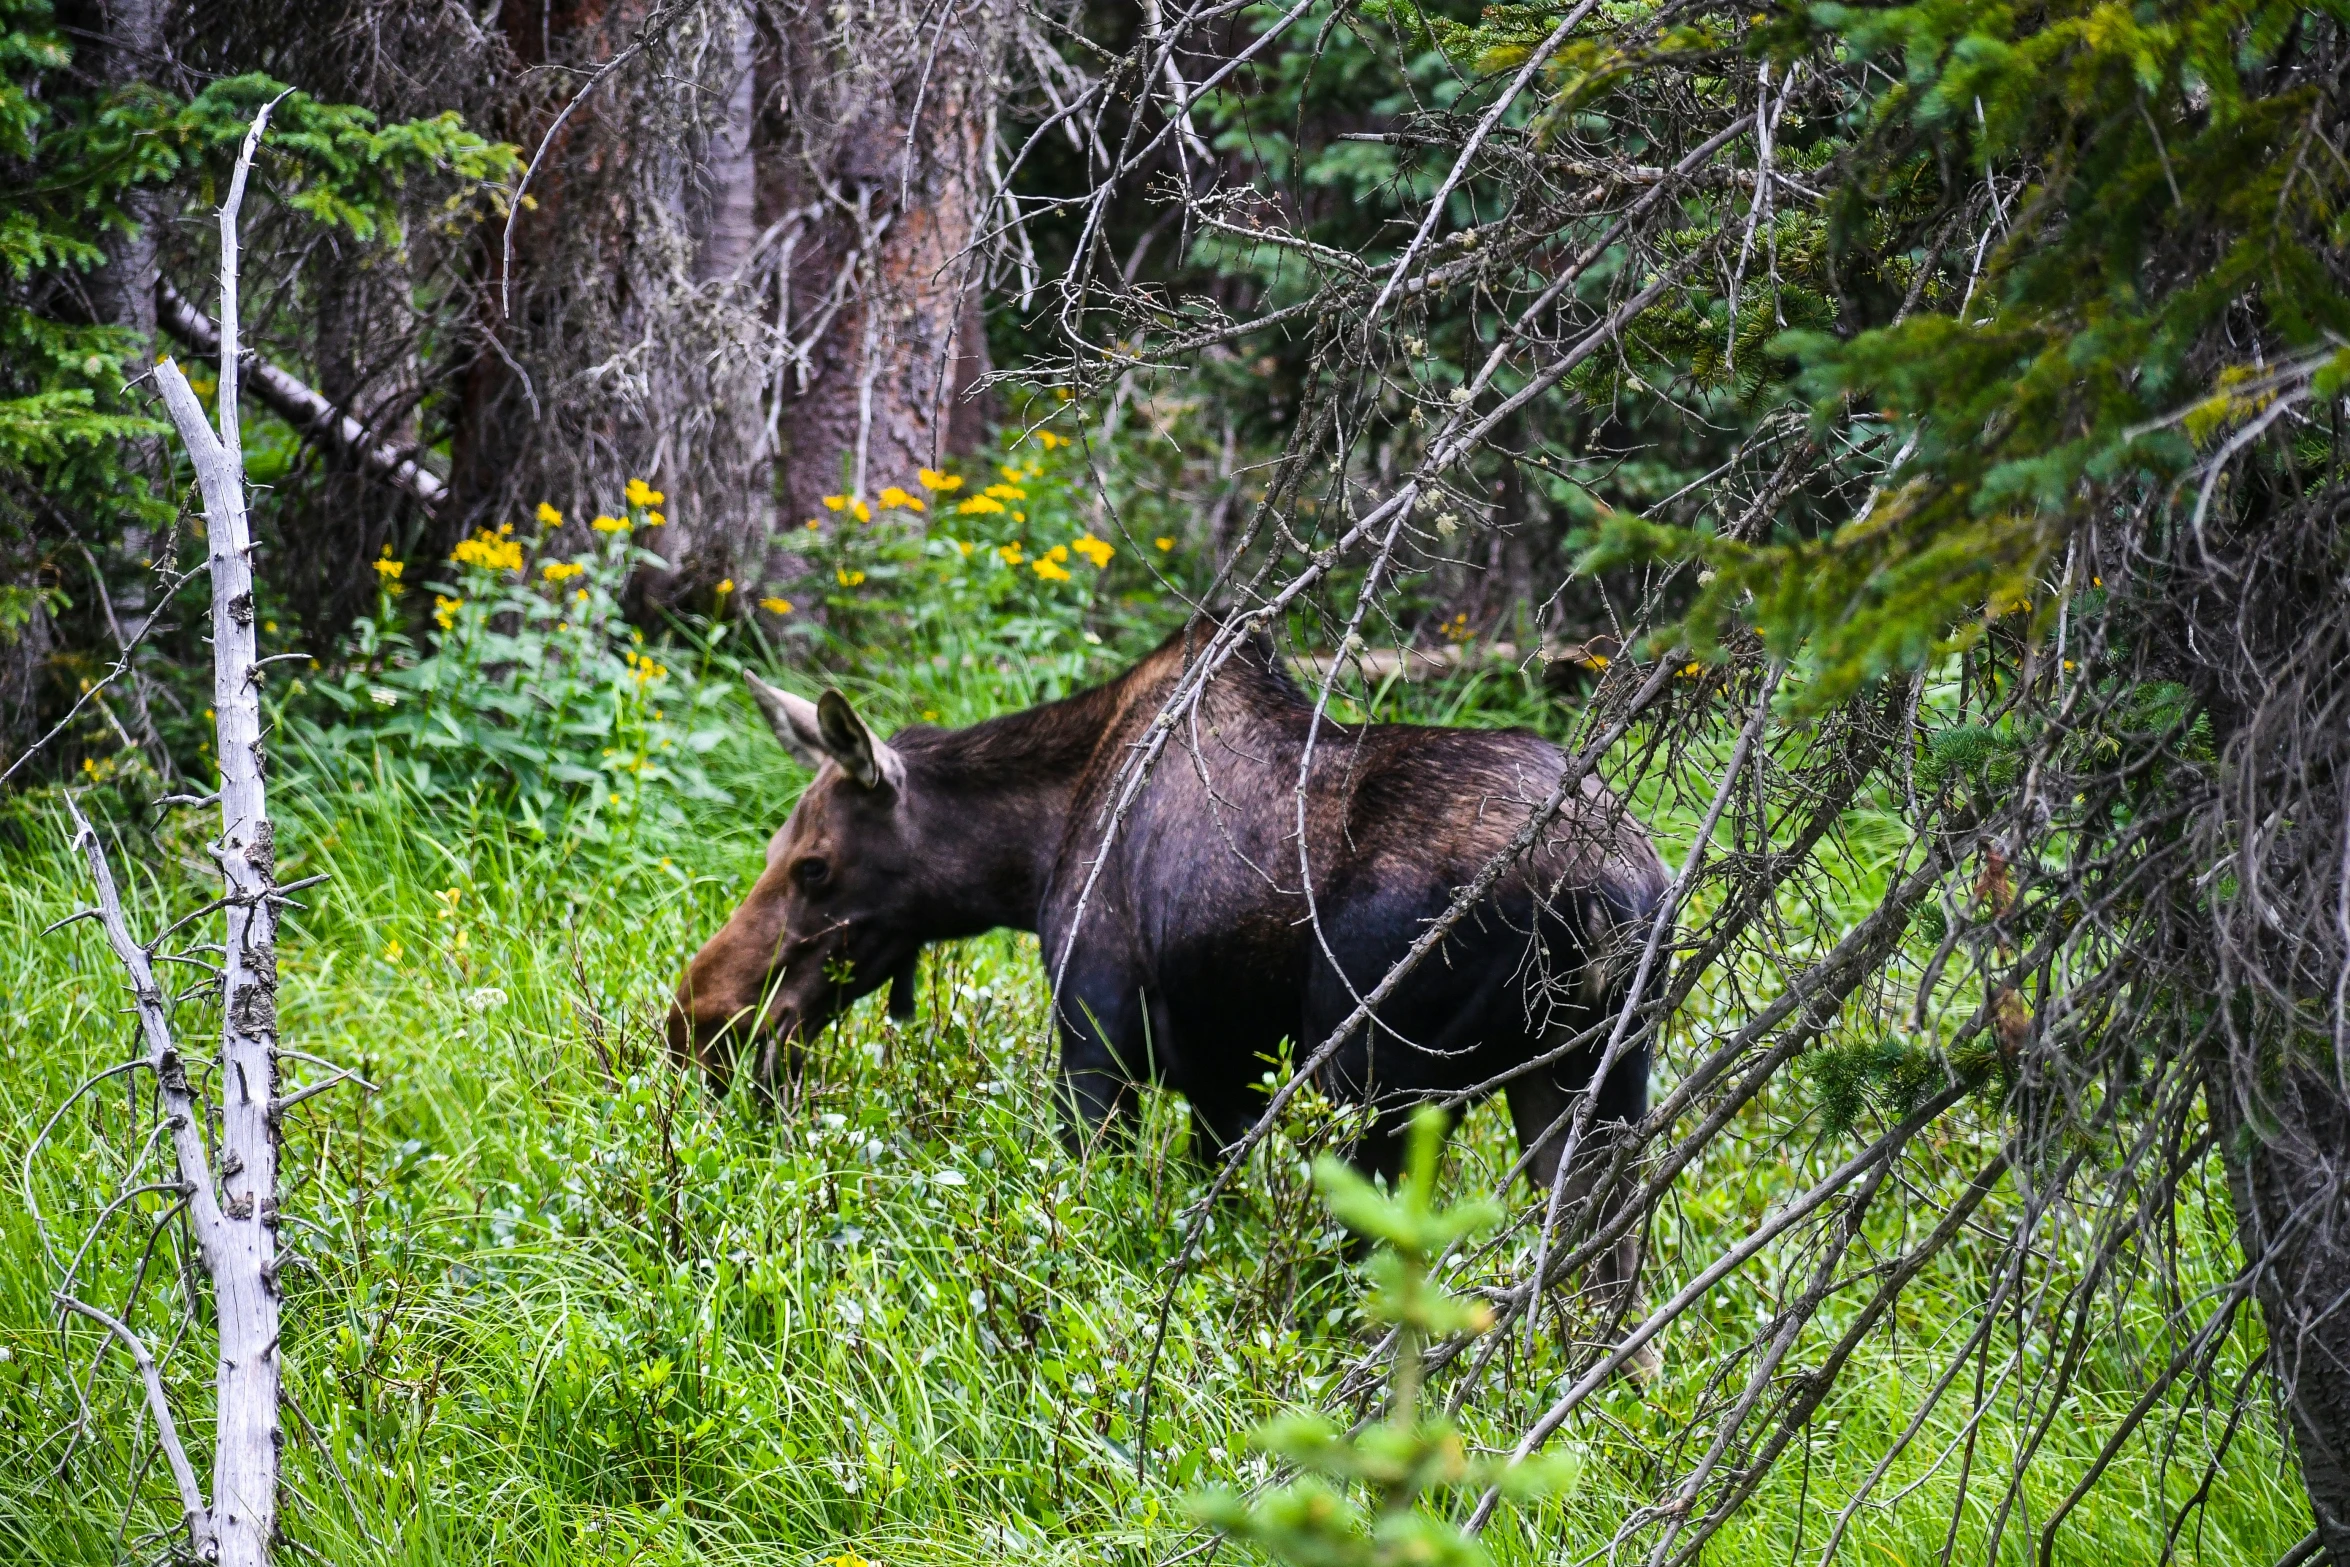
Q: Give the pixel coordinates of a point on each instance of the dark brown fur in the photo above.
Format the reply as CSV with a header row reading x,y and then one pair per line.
x,y
1196,958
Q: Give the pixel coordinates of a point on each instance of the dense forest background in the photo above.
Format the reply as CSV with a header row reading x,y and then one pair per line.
x,y
1897,447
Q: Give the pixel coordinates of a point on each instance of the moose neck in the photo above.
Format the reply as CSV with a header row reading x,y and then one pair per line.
x,y
997,798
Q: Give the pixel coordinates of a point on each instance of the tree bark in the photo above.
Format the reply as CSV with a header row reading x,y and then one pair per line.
x,y
904,196
2285,1141
241,1251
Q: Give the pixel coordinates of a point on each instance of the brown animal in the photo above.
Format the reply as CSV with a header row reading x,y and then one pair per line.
x,y
1197,957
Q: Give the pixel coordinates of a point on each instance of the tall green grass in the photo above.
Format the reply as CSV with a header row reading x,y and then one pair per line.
x,y
555,1304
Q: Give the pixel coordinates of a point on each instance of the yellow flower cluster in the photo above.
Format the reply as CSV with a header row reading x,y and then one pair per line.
x,y
896,499
560,570
725,588
491,551
643,670
847,577
642,494
445,610
850,504
1162,544
775,606
1096,550
980,505
610,525
1048,565
1456,629
550,516
1011,553
387,570
933,480
1005,492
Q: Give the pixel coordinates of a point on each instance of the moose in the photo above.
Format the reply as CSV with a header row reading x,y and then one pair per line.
x,y
1178,929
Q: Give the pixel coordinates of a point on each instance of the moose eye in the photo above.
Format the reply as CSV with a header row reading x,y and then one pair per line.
x,y
811,874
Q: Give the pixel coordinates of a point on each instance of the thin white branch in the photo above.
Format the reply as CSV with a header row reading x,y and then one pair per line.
x,y
167,1436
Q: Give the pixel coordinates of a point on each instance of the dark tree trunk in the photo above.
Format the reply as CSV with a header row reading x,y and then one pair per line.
x,y
889,153
2285,1137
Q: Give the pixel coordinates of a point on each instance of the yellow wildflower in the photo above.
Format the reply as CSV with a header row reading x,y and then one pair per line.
x,y
644,669
1057,553
1011,553
642,494
965,546
560,570
387,570
610,525
979,504
392,953
1049,569
490,551
550,516
1096,550
725,587
932,479
1004,492
1163,543
1047,440
654,519
445,610
846,577
835,502
894,498
776,606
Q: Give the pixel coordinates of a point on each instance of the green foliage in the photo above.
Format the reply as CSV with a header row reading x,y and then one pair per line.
x,y
1885,1073
2169,184
900,1323
536,693
71,160
1404,1459
1012,560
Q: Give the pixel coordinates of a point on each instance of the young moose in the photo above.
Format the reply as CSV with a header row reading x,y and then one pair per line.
x,y
1196,953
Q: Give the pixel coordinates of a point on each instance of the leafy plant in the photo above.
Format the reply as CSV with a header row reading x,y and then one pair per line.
x,y
536,690
1405,1458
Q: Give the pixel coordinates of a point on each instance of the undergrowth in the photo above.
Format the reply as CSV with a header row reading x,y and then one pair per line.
x,y
554,1303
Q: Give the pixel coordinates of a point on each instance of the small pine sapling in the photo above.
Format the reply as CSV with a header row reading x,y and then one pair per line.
x,y
1405,1458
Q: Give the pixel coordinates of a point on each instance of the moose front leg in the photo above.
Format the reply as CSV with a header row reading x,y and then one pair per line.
x,y
1104,1063
1099,1105
902,986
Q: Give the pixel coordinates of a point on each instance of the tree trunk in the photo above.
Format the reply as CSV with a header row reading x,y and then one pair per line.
x,y
2285,1140
891,381
737,254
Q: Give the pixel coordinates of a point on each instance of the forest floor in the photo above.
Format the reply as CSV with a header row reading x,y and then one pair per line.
x,y
554,1303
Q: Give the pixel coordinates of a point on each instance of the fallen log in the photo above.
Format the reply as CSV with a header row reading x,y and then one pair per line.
x,y
1559,662
301,405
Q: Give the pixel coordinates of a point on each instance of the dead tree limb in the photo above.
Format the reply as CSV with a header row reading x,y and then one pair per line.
x,y
231,1209
302,406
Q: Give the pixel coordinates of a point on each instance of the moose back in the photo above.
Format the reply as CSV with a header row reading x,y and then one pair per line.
x,y
1196,950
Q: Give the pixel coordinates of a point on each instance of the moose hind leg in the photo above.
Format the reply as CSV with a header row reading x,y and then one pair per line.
x,y
1543,1105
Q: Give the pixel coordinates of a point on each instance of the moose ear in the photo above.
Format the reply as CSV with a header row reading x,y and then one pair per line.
x,y
793,718
862,754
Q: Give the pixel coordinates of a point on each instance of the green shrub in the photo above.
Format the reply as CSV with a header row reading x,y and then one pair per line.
x,y
536,690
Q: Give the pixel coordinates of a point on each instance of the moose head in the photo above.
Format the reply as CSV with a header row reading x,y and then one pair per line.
x,y
839,909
